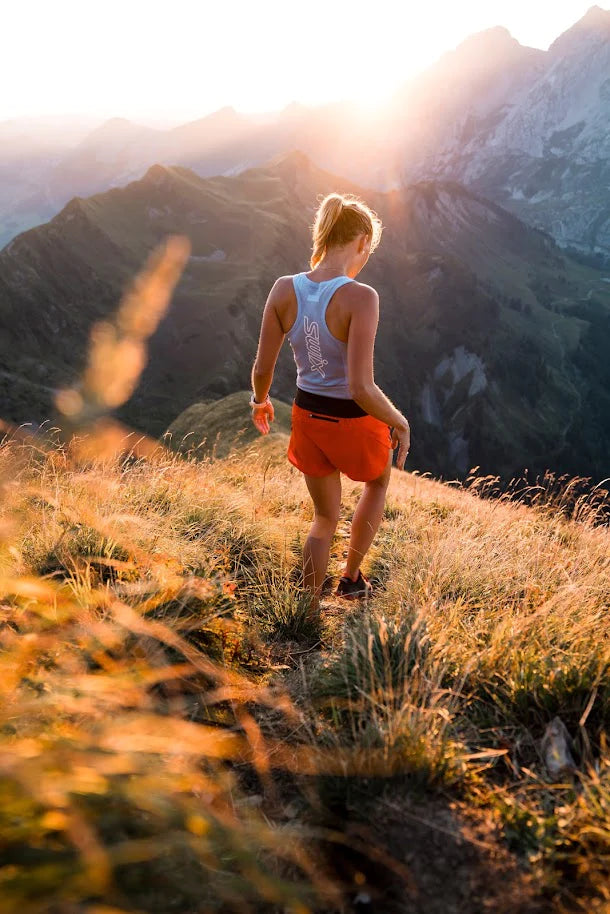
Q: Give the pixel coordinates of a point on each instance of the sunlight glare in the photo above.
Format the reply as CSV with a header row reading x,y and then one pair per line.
x,y
145,60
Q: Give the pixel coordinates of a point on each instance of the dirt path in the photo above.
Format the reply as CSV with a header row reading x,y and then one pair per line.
x,y
407,851
455,860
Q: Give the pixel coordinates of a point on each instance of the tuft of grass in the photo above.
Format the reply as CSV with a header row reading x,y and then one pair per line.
x,y
551,495
382,693
280,606
378,657
82,547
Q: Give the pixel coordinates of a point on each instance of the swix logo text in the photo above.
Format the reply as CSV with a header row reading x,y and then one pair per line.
x,y
312,342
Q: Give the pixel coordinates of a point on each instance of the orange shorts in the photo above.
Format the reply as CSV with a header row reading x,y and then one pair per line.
x,y
320,444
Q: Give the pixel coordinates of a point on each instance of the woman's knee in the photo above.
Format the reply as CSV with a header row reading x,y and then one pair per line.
x,y
327,520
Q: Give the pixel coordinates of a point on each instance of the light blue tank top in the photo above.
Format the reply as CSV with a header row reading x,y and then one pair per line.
x,y
321,358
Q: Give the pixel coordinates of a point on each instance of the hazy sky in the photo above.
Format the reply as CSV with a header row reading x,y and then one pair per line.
x,y
181,59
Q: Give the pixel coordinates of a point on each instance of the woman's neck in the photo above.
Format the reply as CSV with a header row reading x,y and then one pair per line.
x,y
335,267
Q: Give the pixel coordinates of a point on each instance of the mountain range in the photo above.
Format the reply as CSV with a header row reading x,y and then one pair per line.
x,y
492,339
526,128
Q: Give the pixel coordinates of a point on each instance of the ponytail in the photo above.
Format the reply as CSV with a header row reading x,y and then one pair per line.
x,y
341,218
327,217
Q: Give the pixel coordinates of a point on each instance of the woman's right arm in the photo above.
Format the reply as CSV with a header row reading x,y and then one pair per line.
x,y
360,351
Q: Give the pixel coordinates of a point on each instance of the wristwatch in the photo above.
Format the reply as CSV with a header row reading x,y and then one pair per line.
x,y
254,404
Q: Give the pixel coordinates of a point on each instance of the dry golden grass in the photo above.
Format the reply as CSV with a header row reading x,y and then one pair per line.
x,y
122,713
134,651
172,721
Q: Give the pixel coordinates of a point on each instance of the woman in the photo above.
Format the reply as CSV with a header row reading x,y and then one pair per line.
x,y
340,418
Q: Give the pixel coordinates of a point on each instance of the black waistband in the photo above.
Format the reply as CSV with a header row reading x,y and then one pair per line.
x,y
328,406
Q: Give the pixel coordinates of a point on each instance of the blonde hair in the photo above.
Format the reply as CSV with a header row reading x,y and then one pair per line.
x,y
341,218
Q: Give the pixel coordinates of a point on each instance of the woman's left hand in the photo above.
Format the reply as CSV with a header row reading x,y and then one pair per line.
x,y
262,416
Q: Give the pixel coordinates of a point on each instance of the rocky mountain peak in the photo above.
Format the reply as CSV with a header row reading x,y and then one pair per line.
x,y
592,28
114,126
157,175
493,36
226,113
294,111
295,168
489,45
596,16
293,159
221,117
114,133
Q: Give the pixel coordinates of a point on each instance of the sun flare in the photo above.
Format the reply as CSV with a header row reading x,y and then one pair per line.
x,y
141,61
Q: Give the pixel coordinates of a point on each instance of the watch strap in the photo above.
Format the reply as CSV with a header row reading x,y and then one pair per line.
x,y
255,405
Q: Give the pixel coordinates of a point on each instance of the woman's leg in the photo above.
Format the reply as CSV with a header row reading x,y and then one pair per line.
x,y
366,519
326,495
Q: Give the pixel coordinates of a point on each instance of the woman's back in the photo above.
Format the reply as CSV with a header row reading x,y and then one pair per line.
x,y
321,357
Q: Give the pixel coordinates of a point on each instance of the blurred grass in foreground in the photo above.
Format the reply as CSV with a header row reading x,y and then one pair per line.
x,y
172,720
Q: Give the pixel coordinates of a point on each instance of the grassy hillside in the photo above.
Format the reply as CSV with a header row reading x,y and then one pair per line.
x,y
491,340
222,426
177,734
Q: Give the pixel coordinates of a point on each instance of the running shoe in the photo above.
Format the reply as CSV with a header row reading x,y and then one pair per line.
x,y
354,590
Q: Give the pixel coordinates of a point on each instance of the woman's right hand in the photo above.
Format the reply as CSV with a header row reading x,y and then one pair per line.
x,y
262,415
401,438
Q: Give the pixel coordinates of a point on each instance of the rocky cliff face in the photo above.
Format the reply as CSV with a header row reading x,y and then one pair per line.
x,y
539,143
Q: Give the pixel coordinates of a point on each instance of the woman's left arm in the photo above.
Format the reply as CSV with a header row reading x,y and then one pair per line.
x,y
269,345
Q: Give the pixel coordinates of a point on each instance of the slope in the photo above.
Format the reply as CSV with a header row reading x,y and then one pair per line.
x,y
226,750
223,426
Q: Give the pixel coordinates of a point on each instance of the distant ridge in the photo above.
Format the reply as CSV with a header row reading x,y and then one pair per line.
x,y
524,127
490,339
